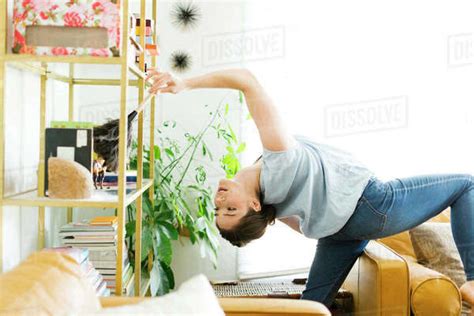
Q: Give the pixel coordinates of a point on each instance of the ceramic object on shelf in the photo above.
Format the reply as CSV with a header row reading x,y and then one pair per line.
x,y
68,180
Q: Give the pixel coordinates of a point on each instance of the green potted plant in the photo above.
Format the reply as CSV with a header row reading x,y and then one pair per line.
x,y
182,203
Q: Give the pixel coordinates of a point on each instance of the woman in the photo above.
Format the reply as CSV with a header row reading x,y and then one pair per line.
x,y
324,193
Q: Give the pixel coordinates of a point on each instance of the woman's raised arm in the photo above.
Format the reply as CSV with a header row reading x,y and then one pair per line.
x,y
272,130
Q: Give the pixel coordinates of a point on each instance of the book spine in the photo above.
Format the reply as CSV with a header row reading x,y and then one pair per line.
x,y
102,256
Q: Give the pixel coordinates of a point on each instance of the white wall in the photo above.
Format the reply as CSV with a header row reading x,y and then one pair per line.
x,y
22,96
347,52
417,55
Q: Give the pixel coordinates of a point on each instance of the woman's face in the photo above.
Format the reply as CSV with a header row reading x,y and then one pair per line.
x,y
232,203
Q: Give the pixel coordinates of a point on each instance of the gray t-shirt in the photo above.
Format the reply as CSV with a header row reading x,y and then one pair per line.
x,y
318,183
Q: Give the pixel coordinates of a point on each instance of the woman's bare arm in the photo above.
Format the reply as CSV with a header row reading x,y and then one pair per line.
x,y
273,133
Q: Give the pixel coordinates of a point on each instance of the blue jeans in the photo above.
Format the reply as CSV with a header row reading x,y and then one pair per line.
x,y
388,208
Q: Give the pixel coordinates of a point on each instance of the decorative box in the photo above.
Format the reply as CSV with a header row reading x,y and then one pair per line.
x,y
67,27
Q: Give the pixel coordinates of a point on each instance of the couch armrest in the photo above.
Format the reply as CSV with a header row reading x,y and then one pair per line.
x,y
113,301
379,282
432,293
245,306
271,306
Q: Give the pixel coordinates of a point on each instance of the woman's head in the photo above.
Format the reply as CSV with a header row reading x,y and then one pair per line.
x,y
240,215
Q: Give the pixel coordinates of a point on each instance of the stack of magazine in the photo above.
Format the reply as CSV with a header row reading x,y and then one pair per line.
x,y
81,256
99,237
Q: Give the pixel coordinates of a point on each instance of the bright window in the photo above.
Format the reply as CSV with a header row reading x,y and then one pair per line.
x,y
389,82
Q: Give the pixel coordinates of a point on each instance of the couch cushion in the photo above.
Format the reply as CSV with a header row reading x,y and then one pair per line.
x,y
401,244
194,297
443,217
46,283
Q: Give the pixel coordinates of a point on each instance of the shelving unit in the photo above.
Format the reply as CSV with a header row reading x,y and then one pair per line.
x,y
123,197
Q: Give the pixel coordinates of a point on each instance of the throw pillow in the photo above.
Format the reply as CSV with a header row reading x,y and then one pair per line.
x,y
435,248
194,297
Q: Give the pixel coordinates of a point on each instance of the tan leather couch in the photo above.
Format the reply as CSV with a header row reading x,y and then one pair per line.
x,y
244,306
387,280
379,282
52,284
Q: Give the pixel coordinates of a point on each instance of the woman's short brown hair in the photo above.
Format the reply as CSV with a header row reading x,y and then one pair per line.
x,y
251,226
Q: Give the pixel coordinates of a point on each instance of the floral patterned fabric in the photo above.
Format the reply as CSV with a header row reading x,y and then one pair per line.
x,y
68,13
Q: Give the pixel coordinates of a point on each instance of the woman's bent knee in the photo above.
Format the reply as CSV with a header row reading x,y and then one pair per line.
x,y
469,180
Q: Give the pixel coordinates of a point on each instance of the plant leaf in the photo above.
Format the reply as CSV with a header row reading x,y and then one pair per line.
x,y
169,274
169,152
155,280
164,249
168,229
130,228
241,148
161,278
147,206
232,134
209,153
147,242
200,224
157,152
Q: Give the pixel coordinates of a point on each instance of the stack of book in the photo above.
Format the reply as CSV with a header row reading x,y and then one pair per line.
x,y
99,237
81,256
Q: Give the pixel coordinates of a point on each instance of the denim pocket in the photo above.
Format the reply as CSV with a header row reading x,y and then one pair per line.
x,y
370,215
365,223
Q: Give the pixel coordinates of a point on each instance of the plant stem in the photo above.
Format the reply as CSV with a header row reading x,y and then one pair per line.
x,y
195,142
201,135
176,160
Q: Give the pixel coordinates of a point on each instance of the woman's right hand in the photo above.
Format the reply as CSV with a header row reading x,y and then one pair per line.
x,y
165,82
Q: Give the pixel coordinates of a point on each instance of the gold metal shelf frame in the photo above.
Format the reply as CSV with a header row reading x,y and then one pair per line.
x,y
120,200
